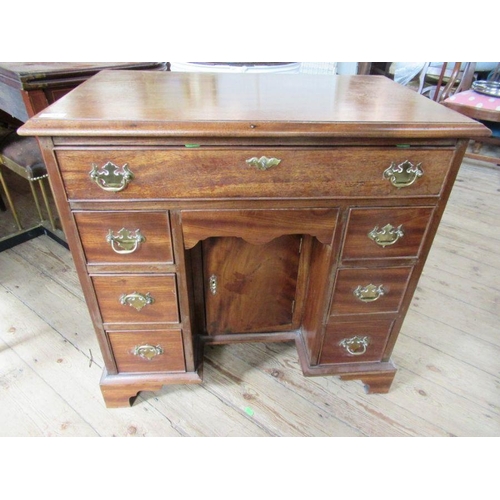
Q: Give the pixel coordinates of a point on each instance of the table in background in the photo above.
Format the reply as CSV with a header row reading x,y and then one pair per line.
x,y
486,109
26,88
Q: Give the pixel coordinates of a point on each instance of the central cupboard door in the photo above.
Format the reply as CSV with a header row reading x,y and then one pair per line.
x,y
250,287
255,264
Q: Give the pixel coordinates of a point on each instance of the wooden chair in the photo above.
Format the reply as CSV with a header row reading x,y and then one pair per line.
x,y
22,155
439,83
4,132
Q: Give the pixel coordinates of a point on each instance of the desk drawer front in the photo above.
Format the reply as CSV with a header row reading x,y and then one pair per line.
x,y
361,341
137,299
125,237
379,233
367,291
258,226
148,351
208,173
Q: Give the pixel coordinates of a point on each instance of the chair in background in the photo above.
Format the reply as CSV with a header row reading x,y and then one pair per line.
x,y
22,155
484,107
440,82
4,132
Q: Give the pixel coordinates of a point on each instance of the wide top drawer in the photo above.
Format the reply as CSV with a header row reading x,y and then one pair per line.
x,y
125,174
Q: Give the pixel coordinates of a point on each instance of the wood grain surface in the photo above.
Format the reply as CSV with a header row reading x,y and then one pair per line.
x,y
94,228
256,285
413,222
224,173
189,104
109,290
171,358
258,226
392,280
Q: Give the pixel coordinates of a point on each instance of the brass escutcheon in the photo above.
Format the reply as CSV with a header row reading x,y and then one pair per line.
x,y
136,300
147,351
404,174
263,163
369,293
212,284
386,236
356,346
125,241
110,177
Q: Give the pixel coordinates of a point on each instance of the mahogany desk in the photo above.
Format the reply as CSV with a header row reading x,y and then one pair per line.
x,y
218,208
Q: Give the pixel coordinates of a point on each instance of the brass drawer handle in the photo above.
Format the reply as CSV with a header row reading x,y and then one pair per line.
x,y
110,177
263,163
404,174
386,236
356,346
136,300
125,241
369,293
147,351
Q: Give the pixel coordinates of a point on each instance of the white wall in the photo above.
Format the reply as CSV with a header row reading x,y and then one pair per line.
x,y
347,68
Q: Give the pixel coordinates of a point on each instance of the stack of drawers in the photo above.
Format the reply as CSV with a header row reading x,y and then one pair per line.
x,y
381,258
380,251
130,261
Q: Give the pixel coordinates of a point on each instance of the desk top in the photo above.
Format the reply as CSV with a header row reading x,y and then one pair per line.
x,y
169,104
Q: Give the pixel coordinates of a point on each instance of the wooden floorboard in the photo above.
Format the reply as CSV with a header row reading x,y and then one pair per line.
x,y
448,353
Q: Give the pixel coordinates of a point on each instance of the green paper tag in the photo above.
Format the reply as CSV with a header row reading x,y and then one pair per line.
x,y
249,411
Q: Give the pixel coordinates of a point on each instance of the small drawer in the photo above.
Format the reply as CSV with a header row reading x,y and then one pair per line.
x,y
266,173
125,237
137,299
357,342
367,291
258,226
144,351
380,233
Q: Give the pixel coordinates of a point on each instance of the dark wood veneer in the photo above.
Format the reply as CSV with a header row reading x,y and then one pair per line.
x,y
413,221
170,360
94,227
393,281
162,289
221,173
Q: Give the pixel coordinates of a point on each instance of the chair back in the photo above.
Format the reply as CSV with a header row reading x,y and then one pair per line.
x,y
440,83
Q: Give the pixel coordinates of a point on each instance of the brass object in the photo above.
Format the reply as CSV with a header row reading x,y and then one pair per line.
x,y
356,346
404,174
125,241
386,236
136,300
212,284
263,163
147,351
369,293
110,177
